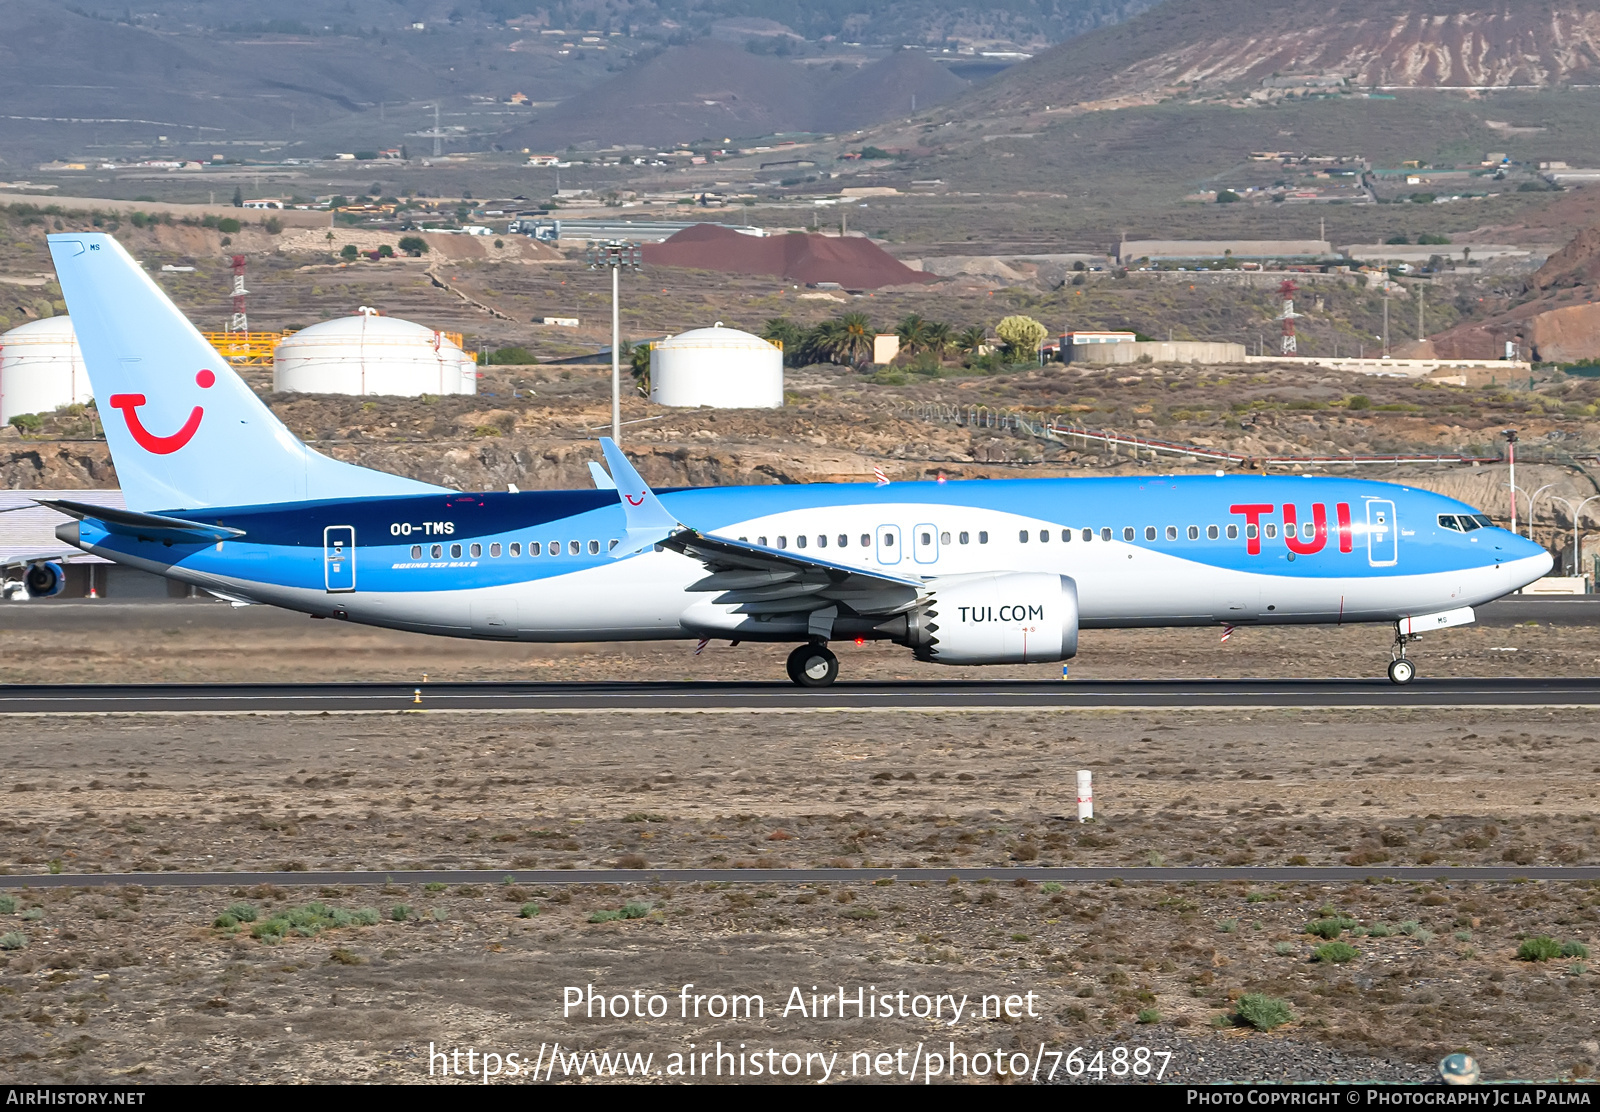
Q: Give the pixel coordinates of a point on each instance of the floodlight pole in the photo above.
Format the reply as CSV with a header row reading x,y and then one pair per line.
x,y
616,363
614,255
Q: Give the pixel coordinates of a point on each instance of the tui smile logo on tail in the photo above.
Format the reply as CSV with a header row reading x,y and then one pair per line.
x,y
149,441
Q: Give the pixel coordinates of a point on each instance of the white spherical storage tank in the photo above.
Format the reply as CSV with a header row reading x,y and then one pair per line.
x,y
372,354
41,368
720,367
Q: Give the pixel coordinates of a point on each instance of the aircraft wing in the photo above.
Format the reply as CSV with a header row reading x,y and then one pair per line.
x,y
760,580
750,577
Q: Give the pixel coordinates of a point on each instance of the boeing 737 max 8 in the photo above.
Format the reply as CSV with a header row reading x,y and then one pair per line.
x,y
220,494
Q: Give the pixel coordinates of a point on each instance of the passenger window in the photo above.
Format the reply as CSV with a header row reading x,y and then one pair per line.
x,y
762,541
944,538
965,537
1308,529
516,548
477,550
1250,531
783,542
594,548
1172,532
866,540
822,540
1149,532
888,540
927,540
574,548
1023,536
416,552
455,552
554,548
1233,532
1066,535
983,537
1044,536
1127,532
1272,531
494,549
1211,532
1105,533
535,548
612,543
844,541
800,541
436,551
1193,532
1088,534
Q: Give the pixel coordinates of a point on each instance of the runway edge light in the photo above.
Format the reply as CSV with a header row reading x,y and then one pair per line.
x,y
1085,795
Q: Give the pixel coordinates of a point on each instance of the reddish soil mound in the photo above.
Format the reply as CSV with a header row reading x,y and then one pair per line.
x,y
852,261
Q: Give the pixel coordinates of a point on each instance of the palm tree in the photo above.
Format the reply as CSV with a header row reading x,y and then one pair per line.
x,y
969,340
787,335
823,343
939,338
913,333
855,339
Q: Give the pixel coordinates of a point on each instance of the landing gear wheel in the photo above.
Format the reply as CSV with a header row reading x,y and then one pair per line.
x,y
1401,671
813,666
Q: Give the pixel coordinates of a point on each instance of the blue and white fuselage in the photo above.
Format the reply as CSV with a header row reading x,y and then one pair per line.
x,y
961,572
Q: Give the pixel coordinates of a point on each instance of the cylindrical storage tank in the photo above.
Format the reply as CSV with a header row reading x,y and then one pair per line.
x,y
720,367
41,368
369,354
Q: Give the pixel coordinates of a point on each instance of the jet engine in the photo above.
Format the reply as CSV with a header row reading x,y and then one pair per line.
x,y
45,579
995,618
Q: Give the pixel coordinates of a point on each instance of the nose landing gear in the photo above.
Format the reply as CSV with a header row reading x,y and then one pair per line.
x,y
1401,670
812,665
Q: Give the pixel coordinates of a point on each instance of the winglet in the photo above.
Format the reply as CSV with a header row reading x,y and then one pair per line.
x,y
648,521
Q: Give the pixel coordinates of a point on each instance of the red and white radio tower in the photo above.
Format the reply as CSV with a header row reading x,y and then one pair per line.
x,y
1286,293
240,322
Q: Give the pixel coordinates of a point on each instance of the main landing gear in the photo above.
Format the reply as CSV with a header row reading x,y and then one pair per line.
x,y
1401,670
812,665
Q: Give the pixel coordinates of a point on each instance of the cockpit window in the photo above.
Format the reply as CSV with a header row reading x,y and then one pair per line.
x,y
1464,523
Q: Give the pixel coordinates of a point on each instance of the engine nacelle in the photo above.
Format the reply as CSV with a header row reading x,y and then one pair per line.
x,y
45,579
998,618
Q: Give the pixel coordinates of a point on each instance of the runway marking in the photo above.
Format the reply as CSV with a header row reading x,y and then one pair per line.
x,y
1260,874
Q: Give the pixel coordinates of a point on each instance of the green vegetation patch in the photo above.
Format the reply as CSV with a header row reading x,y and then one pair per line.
x,y
1264,1013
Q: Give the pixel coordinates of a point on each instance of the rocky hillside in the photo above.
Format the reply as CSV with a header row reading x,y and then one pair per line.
x,y
1553,319
1209,45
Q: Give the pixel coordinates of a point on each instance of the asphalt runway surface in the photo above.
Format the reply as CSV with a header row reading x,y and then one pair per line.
x,y
726,696
1256,874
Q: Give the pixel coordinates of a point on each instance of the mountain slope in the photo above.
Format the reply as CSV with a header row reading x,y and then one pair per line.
x,y
1209,45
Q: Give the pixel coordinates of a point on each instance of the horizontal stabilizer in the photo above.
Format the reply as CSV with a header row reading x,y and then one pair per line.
x,y
147,526
602,481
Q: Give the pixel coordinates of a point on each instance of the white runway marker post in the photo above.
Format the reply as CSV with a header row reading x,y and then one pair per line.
x,y
1085,795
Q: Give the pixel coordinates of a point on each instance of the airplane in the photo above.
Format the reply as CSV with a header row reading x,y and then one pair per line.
x,y
221,495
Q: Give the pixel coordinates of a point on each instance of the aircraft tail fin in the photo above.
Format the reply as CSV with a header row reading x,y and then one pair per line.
x,y
184,429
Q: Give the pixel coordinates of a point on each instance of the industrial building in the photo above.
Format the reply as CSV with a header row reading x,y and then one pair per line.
x,y
719,367
634,231
41,368
1131,251
372,354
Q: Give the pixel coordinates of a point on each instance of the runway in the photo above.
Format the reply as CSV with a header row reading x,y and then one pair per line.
x,y
924,695
1252,874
